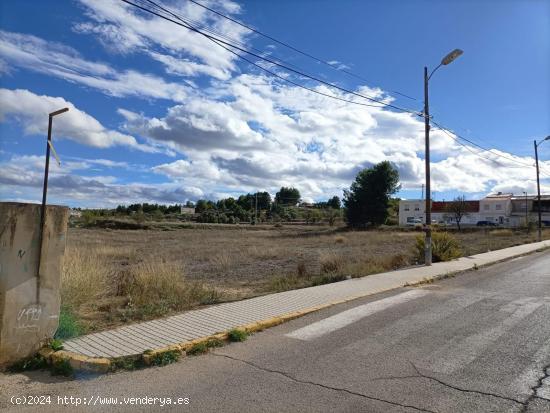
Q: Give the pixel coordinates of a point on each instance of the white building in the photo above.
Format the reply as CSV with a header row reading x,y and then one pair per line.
x,y
501,209
496,208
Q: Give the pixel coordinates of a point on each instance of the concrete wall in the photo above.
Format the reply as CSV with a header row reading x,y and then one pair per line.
x,y
29,307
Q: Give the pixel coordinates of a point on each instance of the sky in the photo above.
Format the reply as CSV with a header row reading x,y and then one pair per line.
x,y
161,114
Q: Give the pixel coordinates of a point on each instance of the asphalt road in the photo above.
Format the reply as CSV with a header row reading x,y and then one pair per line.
x,y
478,342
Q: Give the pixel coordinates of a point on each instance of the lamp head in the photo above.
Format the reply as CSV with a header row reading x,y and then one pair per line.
x,y
59,112
451,56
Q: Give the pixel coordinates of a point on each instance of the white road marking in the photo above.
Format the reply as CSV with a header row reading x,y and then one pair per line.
x,y
379,341
458,354
348,317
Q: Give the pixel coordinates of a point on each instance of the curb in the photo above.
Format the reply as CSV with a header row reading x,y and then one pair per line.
x,y
79,362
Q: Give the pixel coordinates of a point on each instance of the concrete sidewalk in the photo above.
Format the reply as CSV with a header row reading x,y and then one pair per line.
x,y
271,309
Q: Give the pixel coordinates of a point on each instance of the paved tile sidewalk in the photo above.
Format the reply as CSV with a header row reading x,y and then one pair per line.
x,y
136,338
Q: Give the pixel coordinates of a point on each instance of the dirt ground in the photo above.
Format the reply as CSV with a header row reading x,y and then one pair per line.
x,y
244,259
229,262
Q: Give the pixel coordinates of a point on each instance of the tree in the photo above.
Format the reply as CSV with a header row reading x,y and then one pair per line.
x,y
287,196
367,200
332,214
334,202
457,209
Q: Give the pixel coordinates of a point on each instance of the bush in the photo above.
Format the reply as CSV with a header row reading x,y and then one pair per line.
x,y
331,263
445,247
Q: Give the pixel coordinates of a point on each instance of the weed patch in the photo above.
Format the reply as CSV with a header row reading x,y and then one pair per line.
x,y
204,346
165,358
236,335
68,325
56,344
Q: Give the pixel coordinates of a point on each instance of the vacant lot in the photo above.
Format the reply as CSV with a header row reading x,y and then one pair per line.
x,y
116,276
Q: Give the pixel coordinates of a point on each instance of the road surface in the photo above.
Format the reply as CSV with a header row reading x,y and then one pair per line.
x,y
478,342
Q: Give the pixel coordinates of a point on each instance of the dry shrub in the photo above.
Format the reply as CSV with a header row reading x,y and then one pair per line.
x,y
502,232
84,275
301,269
159,287
340,239
331,262
445,247
264,253
221,261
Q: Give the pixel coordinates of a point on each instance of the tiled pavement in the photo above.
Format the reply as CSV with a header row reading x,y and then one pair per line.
x,y
136,338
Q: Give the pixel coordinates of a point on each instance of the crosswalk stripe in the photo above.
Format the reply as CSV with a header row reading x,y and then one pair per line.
x,y
350,316
404,327
458,354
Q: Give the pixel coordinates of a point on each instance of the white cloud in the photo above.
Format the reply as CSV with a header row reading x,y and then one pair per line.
x,y
32,110
58,60
22,177
243,136
124,29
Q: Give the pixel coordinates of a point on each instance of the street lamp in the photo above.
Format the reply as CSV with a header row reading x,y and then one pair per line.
x,y
428,241
44,192
539,236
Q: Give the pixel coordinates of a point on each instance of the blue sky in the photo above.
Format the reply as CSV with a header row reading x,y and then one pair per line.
x,y
159,114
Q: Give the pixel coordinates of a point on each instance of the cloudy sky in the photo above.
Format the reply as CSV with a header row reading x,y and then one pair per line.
x,y
159,113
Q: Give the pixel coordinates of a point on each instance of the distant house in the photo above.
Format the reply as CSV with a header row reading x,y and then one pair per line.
x,y
187,211
502,209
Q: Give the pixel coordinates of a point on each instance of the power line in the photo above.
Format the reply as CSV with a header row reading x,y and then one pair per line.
x,y
520,164
298,72
289,46
223,44
449,132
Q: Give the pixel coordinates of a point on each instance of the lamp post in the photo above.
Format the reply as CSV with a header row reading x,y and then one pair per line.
x,y
539,226
428,241
44,192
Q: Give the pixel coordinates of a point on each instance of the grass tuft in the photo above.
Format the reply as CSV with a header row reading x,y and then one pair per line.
x,y
68,325
237,335
165,358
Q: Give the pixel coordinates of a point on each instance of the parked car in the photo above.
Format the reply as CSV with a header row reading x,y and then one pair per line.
x,y
415,222
486,224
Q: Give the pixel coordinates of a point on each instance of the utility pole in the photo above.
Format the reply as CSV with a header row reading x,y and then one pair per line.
x,y
428,223
256,209
538,187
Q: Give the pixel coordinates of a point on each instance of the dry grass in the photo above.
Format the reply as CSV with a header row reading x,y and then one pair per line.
x,y
505,232
101,293
115,276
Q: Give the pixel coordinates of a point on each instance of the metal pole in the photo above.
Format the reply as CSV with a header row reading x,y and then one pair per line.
x,y
428,223
43,208
539,226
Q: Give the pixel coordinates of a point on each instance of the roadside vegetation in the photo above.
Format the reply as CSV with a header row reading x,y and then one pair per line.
x,y
115,277
144,261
